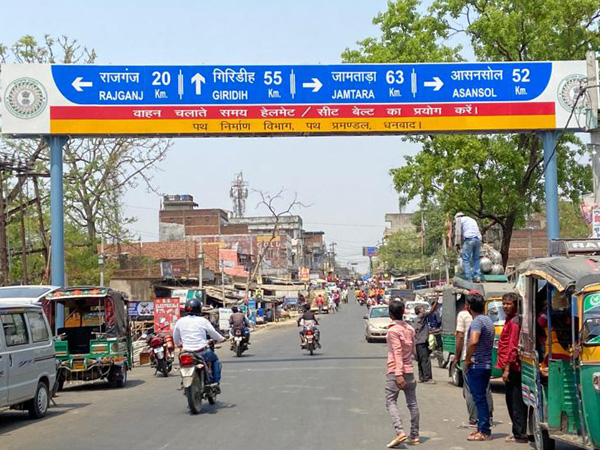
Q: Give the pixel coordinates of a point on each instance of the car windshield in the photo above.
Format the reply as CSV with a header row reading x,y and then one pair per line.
x,y
23,291
379,312
591,317
496,313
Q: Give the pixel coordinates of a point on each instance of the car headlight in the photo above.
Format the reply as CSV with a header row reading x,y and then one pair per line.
x,y
596,381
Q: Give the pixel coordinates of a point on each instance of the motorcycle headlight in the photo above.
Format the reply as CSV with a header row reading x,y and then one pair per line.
x,y
596,381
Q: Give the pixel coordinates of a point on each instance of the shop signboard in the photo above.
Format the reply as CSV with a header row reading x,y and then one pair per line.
x,y
137,309
166,313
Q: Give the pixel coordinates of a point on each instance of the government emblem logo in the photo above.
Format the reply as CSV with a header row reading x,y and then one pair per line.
x,y
25,98
569,93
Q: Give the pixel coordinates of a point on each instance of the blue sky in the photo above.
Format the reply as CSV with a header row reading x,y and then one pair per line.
x,y
345,180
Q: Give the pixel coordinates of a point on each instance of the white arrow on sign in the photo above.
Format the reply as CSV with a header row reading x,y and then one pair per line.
x,y
315,85
436,84
78,84
198,79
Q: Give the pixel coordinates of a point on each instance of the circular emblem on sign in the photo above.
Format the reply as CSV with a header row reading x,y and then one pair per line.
x,y
25,98
569,91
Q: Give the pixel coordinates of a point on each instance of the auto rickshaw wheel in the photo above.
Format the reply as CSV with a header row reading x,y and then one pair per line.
x,y
122,380
541,437
456,375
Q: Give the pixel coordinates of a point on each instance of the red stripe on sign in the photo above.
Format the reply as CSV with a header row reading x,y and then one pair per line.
x,y
358,111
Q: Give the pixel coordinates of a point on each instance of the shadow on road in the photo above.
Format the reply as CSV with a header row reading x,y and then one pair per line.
x,y
13,420
305,357
101,386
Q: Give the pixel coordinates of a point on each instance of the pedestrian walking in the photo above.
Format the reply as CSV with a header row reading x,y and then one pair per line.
x,y
508,361
422,342
467,239
463,322
400,377
319,302
478,364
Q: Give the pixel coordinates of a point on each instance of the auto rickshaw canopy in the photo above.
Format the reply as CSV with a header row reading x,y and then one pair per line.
x,y
563,272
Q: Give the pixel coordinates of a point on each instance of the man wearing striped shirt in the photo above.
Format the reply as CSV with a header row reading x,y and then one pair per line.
x,y
401,346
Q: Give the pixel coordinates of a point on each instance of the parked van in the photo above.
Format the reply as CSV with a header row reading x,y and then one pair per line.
x,y
25,294
27,359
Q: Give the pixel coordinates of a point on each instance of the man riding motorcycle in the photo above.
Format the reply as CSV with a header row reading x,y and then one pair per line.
x,y
239,321
306,321
191,333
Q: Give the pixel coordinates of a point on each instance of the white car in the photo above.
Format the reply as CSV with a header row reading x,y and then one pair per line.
x,y
377,322
409,310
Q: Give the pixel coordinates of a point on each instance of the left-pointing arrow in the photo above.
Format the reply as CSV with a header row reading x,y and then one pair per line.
x,y
78,84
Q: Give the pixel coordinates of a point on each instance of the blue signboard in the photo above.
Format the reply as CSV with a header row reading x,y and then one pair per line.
x,y
307,84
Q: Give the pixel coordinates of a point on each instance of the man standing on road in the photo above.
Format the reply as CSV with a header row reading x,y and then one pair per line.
x,y
319,302
508,361
463,322
401,343
467,239
422,340
478,364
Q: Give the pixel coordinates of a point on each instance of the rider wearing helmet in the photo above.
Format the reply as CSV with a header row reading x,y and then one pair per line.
x,y
308,320
238,320
192,332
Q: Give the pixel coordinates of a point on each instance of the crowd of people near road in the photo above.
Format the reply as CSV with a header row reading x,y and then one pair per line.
x,y
475,339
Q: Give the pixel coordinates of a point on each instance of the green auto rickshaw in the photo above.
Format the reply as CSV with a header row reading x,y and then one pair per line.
x,y
492,287
94,342
560,349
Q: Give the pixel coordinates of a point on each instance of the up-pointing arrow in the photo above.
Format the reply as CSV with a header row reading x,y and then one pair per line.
x,y
198,79
315,85
436,84
78,84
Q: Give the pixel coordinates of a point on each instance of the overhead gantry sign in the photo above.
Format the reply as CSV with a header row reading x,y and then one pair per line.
x,y
356,99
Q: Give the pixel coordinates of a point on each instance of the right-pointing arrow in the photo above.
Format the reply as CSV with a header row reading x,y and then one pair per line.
x,y
315,85
436,84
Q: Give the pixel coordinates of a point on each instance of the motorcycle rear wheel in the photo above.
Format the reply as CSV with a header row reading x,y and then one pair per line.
x,y
165,369
195,392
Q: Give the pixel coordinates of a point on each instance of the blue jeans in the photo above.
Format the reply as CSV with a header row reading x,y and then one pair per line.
x,y
471,249
211,358
479,381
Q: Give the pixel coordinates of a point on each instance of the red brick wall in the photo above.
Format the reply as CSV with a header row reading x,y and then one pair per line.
x,y
526,244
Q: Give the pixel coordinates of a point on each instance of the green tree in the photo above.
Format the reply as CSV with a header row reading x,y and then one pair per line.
x,y
572,223
402,253
496,179
97,172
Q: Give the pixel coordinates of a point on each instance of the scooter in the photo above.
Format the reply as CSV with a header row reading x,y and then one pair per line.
x,y
195,374
161,353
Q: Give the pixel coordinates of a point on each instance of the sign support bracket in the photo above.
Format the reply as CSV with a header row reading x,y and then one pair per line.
x,y
549,140
57,221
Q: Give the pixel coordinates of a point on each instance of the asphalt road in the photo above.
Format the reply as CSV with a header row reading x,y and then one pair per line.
x,y
275,397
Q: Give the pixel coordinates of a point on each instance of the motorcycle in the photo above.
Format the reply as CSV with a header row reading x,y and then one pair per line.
x,y
239,342
310,339
161,353
195,374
